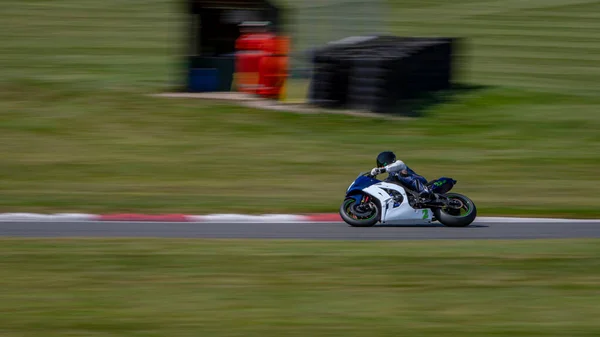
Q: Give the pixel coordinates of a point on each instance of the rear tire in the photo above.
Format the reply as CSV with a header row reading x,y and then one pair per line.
x,y
355,221
450,219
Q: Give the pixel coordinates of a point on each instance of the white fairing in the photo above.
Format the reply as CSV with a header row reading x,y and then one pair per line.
x,y
393,213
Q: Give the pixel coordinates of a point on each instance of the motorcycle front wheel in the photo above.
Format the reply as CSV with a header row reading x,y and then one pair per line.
x,y
359,214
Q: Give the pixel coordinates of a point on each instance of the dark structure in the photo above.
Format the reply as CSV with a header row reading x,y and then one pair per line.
x,y
212,29
381,74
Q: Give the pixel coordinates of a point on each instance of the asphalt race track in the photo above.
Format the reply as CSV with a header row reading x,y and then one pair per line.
x,y
329,231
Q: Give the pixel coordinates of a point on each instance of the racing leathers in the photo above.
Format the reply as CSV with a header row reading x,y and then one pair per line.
x,y
398,171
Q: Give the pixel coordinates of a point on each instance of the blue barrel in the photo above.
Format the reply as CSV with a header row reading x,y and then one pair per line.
x,y
203,80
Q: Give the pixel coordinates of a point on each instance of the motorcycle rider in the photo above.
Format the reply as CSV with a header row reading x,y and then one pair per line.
x,y
398,171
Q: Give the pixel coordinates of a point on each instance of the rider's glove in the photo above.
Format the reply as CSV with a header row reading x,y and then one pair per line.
x,y
377,171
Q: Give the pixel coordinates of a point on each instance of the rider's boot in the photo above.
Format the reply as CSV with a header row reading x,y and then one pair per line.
x,y
426,195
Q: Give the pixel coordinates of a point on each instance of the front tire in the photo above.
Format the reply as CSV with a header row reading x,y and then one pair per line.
x,y
359,220
462,217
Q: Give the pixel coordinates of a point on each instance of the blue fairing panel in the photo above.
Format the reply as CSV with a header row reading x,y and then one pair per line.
x,y
361,183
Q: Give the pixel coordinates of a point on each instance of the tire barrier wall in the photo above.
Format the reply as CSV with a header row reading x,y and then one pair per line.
x,y
382,74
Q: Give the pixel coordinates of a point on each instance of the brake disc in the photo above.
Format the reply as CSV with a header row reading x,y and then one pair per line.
x,y
456,204
356,209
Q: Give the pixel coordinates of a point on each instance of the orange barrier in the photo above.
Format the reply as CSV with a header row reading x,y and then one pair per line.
x,y
273,69
250,49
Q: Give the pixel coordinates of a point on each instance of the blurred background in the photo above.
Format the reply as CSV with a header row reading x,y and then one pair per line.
x,y
81,131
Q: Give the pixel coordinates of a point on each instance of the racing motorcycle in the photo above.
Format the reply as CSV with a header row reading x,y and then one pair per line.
x,y
369,201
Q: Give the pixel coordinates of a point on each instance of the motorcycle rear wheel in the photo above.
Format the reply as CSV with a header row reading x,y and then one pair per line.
x,y
360,220
462,217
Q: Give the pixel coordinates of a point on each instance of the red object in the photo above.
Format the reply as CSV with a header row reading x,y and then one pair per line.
x,y
250,49
128,217
272,76
327,217
273,69
144,217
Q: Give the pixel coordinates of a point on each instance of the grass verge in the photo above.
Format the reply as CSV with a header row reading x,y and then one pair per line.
x,y
284,288
513,152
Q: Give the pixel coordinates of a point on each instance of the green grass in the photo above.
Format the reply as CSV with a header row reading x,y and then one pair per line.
x,y
260,288
79,133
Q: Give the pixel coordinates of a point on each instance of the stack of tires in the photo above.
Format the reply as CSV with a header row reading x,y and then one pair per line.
x,y
380,74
